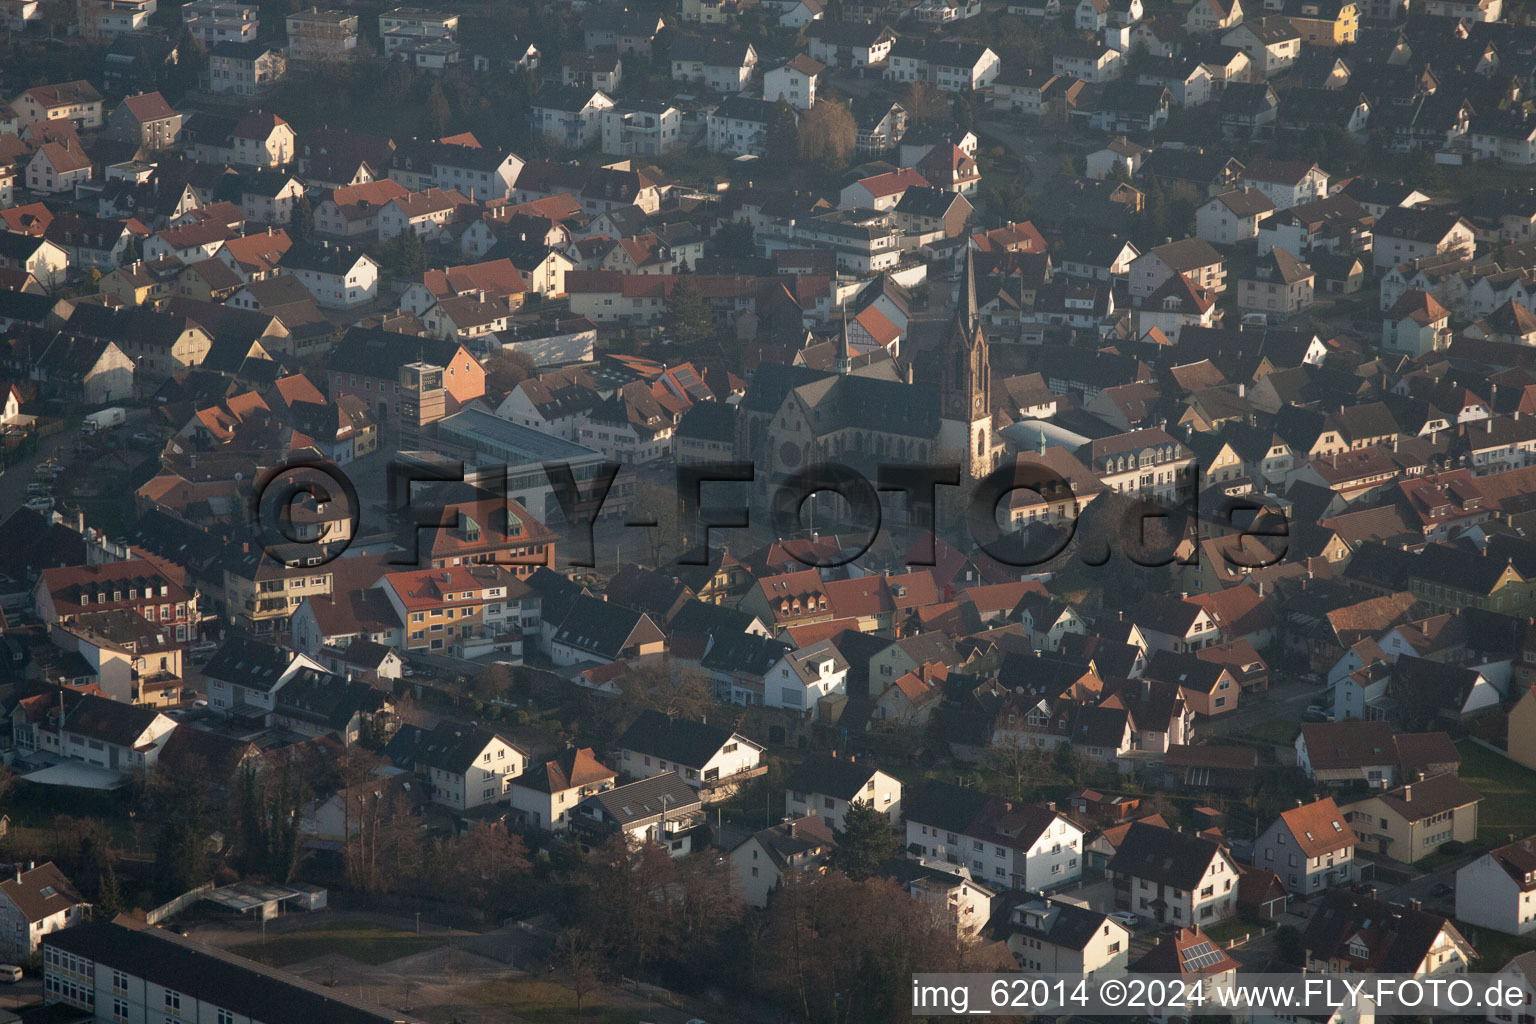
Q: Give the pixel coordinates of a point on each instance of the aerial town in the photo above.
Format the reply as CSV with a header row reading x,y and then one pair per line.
x,y
699,512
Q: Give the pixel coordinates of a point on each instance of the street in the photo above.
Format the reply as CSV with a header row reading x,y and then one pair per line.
x,y
13,483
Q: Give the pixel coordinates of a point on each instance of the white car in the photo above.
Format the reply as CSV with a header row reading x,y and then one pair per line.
x,y
1126,918
40,504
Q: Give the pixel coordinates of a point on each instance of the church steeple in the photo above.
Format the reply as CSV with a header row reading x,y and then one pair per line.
x,y
967,377
965,386
968,315
844,348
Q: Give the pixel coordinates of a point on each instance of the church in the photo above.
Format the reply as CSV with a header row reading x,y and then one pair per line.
x,y
865,415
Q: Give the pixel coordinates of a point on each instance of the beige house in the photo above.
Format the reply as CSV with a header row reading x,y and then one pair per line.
x,y
1057,937
1522,729
762,860
1414,820
1280,284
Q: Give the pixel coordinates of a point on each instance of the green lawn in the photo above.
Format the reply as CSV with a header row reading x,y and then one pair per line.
x,y
360,941
1509,794
543,1002
1281,732
1495,949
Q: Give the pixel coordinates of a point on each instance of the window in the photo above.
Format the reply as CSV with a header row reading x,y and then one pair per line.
x,y
226,1017
172,1000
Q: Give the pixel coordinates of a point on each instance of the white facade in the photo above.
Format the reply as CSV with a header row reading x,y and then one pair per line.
x,y
1052,859
883,792
736,755
1488,896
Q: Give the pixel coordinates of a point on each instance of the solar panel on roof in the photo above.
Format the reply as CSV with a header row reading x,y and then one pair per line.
x,y
1200,956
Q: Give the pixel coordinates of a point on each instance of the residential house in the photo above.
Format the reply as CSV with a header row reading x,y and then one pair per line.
x,y
465,767
1049,936
826,786
549,792
146,119
794,82
34,903
704,756
77,102
1176,878
1281,285
1310,847
1498,889
763,859
662,809
1352,933
1233,218
1025,847
245,69
1272,44
1416,819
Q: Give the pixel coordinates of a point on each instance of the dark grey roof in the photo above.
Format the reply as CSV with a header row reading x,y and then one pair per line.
x,y
603,628
1164,856
649,798
944,805
378,353
840,777
208,975
326,698
449,747
709,421
108,720
1062,924
678,740
736,652
248,662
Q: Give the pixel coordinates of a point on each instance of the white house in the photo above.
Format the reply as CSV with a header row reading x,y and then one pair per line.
x,y
703,755
1498,889
465,767
339,277
1025,847
794,82
570,116
101,732
58,167
1176,878
1310,847
1056,937
802,678
826,785
1287,183
1233,218
34,903
763,859
547,793
662,809
739,126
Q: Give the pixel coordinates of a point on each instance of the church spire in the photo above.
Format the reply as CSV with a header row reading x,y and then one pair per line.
x,y
970,310
966,330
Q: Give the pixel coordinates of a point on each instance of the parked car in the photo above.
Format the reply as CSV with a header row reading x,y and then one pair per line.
x,y
1315,714
1126,918
1442,890
40,504
144,438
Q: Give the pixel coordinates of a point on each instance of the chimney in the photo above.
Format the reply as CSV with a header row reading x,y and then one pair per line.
x,y
1408,794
